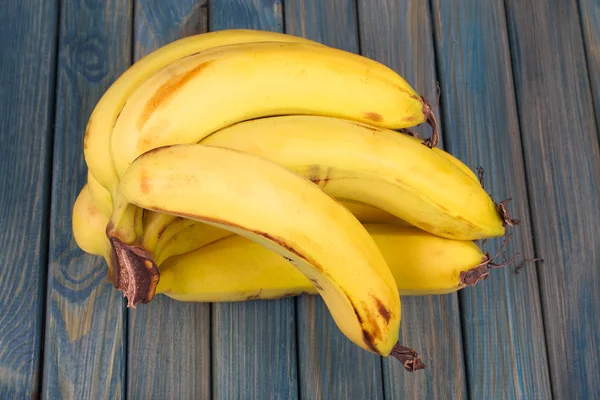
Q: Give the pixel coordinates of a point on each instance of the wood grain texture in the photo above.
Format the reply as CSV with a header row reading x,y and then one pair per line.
x,y
254,342
330,366
563,163
589,11
254,350
246,14
169,341
84,343
27,78
398,34
502,322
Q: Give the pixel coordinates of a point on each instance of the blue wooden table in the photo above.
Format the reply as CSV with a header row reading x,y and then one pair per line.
x,y
520,96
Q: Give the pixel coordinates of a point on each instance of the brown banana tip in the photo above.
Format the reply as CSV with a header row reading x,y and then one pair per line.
x,y
431,120
134,272
481,272
506,219
409,358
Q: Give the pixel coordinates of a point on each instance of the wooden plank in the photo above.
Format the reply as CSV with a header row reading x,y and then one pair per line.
x,y
563,163
398,34
501,317
84,346
254,342
330,366
169,341
590,19
27,77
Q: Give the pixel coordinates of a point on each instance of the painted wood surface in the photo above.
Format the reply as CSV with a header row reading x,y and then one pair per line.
x,y
398,34
84,338
560,146
254,342
589,11
502,322
27,81
330,366
169,341
519,82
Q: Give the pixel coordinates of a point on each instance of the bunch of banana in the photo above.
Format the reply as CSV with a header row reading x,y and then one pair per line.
x,y
245,164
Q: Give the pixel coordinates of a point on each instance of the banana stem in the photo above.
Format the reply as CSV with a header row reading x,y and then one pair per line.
x,y
132,268
506,219
434,139
409,358
134,272
475,274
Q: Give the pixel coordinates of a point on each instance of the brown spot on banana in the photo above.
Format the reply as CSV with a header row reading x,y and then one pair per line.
x,y
166,91
383,309
144,184
254,296
316,283
373,116
368,340
318,175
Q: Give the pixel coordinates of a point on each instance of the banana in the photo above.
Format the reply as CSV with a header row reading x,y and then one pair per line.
x,y
88,223
276,208
237,269
100,196
184,235
375,166
155,225
200,94
96,145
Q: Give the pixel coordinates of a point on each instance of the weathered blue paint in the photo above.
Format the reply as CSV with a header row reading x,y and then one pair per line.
x,y
562,158
502,323
84,339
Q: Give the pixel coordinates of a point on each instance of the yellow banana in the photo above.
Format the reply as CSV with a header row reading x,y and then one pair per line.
x,y
276,208
421,263
237,269
184,235
200,94
88,223
101,197
96,145
375,166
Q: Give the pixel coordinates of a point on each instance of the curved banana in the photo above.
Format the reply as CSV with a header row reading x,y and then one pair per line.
x,y
376,166
96,145
200,94
100,196
237,269
184,235
88,224
276,208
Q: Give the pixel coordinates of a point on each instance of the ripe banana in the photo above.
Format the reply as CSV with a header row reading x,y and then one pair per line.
x,y
237,269
96,145
101,197
274,207
375,166
200,94
88,223
184,235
